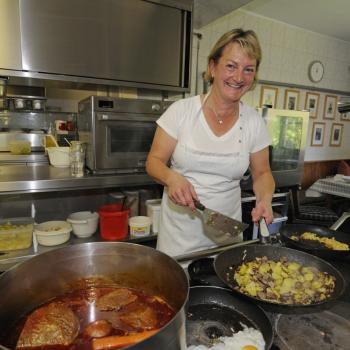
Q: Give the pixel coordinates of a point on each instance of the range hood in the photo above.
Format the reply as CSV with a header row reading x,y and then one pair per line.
x,y
139,43
206,11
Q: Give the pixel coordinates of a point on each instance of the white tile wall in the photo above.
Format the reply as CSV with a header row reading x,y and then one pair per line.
x,y
287,52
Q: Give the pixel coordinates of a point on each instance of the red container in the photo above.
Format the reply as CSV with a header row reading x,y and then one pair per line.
x,y
113,222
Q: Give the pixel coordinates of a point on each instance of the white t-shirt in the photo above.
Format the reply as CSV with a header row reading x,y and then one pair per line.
x,y
213,164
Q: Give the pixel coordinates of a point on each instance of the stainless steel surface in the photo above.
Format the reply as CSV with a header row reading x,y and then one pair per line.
x,y
127,264
7,158
288,131
10,36
118,132
97,31
264,232
36,140
45,178
220,228
212,251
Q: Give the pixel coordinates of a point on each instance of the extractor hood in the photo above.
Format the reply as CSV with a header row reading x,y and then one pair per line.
x,y
139,43
206,11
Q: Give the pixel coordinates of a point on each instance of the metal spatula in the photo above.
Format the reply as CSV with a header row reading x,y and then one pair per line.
x,y
218,227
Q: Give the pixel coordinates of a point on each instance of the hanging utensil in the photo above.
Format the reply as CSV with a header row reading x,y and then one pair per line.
x,y
218,227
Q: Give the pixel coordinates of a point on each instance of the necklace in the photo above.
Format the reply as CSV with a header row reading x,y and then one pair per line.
x,y
219,120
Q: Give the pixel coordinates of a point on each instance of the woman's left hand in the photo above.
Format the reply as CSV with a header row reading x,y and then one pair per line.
x,y
262,209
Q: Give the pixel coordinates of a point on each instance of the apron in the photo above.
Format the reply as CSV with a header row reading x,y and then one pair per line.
x,y
216,179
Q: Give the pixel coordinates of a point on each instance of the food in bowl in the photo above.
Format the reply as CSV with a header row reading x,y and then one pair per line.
x,y
20,147
51,233
94,318
330,243
283,281
16,234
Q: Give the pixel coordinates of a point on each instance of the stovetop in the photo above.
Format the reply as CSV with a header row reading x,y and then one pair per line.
x,y
320,330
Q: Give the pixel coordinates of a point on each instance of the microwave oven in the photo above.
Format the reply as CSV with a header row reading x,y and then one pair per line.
x,y
288,132
118,132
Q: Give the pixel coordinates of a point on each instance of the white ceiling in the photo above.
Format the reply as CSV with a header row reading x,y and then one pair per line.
x,y
328,17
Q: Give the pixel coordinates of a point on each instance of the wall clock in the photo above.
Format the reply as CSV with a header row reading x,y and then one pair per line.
x,y
316,70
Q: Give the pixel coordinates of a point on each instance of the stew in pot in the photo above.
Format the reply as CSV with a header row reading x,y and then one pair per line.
x,y
92,318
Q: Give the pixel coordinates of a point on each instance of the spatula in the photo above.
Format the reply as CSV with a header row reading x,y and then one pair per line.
x,y
218,227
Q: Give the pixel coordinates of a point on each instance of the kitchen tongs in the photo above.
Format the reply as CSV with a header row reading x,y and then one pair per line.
x,y
218,227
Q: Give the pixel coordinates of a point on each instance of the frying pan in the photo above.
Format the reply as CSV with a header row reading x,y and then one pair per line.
x,y
213,312
238,255
314,247
202,273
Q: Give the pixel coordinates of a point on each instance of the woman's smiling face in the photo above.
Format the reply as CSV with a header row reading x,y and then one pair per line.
x,y
233,73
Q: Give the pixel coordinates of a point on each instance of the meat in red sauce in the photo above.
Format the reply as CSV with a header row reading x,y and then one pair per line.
x,y
71,321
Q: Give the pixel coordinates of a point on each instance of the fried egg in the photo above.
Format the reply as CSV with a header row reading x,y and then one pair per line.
x,y
246,339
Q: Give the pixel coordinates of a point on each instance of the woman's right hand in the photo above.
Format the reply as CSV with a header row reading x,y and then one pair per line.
x,y
181,191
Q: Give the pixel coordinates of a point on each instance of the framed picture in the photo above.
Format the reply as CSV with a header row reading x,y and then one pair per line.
x,y
311,103
268,96
291,99
345,116
317,135
336,135
330,105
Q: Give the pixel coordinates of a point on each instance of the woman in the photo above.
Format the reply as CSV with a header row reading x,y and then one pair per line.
x,y
211,140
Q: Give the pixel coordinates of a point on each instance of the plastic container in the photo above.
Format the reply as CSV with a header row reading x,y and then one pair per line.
x,y
20,147
51,233
59,156
113,222
140,226
84,223
16,233
153,212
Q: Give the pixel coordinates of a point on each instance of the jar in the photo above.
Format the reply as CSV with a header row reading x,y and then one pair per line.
x,y
19,103
38,104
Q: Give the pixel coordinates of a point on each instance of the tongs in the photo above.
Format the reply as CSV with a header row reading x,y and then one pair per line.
x,y
265,237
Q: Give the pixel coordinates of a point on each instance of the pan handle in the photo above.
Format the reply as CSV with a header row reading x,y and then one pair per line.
x,y
340,221
199,205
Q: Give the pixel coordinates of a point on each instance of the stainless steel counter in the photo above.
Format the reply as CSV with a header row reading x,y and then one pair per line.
x,y
46,178
11,258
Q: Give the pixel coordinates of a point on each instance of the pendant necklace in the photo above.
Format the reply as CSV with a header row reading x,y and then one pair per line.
x,y
219,120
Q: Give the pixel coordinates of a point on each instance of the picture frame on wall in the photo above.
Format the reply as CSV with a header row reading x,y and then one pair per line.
x,y
268,96
291,99
317,135
312,100
345,116
336,135
330,107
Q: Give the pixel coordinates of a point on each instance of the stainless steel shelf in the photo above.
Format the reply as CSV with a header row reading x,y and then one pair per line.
x,y
11,258
16,179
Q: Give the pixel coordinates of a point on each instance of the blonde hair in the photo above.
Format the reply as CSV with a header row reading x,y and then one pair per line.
x,y
248,40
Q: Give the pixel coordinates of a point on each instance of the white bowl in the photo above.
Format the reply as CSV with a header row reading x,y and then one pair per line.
x,y
59,156
346,178
52,233
84,223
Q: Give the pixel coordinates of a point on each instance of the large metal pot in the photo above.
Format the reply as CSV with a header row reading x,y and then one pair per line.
x,y
47,275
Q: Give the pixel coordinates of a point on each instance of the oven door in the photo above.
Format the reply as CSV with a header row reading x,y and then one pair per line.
x,y
122,141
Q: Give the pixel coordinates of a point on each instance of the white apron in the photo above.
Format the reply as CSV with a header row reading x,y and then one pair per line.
x,y
215,177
